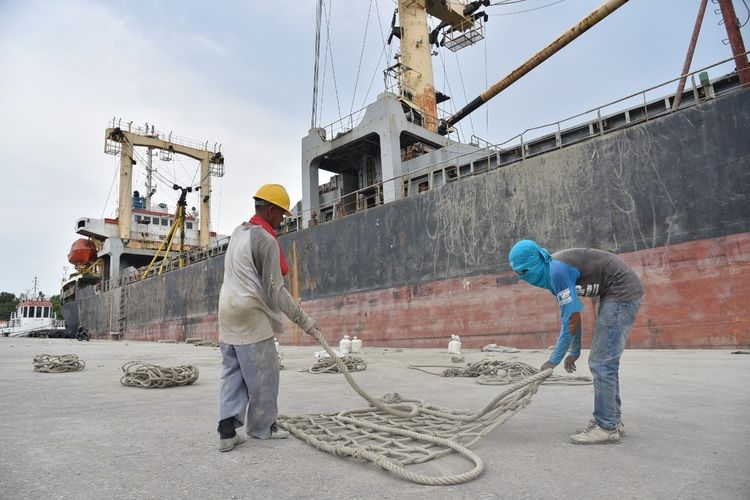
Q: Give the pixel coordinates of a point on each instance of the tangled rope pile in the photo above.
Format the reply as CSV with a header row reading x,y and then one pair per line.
x,y
206,343
395,433
146,375
329,365
498,372
49,363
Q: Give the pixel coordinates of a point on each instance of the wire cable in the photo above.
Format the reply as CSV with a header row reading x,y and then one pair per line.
x,y
527,10
380,58
463,87
117,171
318,16
329,50
361,54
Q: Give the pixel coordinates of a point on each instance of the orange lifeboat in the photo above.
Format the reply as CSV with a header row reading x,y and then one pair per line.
x,y
82,252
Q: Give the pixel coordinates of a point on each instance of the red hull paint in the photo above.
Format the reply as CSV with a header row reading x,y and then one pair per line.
x,y
206,328
697,296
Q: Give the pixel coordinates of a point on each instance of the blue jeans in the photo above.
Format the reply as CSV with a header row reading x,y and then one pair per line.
x,y
613,325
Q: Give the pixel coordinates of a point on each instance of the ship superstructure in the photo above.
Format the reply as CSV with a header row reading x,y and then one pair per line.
x,y
145,235
403,143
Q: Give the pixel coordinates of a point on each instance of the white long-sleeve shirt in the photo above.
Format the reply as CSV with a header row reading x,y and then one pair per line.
x,y
252,295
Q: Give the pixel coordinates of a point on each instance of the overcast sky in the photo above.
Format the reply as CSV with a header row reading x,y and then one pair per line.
x,y
240,73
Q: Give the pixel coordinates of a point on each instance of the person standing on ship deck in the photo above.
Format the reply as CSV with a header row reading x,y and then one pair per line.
x,y
251,301
589,273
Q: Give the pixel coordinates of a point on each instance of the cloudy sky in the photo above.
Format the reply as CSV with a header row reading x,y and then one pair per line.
x,y
240,73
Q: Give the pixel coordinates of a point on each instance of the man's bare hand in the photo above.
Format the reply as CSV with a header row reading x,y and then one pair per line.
x,y
546,365
570,363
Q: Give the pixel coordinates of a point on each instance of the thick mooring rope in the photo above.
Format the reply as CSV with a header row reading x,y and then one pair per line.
x,y
49,363
418,422
146,375
499,372
329,365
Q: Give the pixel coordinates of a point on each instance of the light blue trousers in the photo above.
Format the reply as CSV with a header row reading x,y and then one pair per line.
x,y
613,324
249,386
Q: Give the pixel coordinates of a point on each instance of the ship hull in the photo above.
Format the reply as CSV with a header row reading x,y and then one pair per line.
x,y
670,195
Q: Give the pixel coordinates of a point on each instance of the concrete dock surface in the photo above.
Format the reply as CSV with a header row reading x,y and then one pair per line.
x,y
83,435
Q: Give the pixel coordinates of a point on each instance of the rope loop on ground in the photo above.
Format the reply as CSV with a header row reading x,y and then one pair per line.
x,y
329,365
499,372
50,363
148,376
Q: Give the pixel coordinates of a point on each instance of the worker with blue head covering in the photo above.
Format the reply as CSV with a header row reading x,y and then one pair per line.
x,y
531,262
587,272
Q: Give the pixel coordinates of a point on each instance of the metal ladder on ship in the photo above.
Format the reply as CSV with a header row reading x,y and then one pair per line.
x,y
122,316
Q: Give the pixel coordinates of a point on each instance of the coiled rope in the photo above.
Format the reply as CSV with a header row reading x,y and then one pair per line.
x,y
499,372
426,432
146,375
329,365
49,363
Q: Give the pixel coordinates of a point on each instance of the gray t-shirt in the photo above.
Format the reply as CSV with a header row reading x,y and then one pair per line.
x,y
602,274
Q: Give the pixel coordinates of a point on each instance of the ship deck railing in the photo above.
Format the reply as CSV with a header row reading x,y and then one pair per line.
x,y
171,263
151,131
613,116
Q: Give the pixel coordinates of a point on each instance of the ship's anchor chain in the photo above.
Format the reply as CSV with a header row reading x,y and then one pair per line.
x,y
499,372
329,365
395,432
50,363
148,376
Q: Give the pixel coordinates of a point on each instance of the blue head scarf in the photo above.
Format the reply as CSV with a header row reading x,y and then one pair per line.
x,y
531,263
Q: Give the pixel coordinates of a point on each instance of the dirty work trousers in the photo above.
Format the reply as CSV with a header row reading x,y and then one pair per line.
x,y
249,386
613,324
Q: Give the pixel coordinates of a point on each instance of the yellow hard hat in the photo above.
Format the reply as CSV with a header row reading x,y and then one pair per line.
x,y
274,194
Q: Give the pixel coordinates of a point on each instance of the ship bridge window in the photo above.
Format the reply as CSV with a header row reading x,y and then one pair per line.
x,y
46,312
451,174
138,219
156,221
146,220
165,222
189,225
25,312
39,311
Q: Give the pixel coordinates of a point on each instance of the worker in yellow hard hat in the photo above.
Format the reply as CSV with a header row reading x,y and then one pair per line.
x,y
251,303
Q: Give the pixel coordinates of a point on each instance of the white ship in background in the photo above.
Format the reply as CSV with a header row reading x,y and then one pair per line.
x,y
34,317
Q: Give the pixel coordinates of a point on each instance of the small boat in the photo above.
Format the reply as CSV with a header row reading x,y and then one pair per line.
x,y
34,317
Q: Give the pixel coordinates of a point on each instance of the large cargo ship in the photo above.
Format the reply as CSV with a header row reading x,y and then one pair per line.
x,y
408,242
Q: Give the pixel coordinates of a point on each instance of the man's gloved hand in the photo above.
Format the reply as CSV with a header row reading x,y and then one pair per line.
x,y
570,363
546,365
314,331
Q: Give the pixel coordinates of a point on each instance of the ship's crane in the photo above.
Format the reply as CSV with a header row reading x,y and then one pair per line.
x,y
179,223
121,139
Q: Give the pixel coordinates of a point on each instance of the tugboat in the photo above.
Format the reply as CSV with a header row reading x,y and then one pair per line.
x,y
34,317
